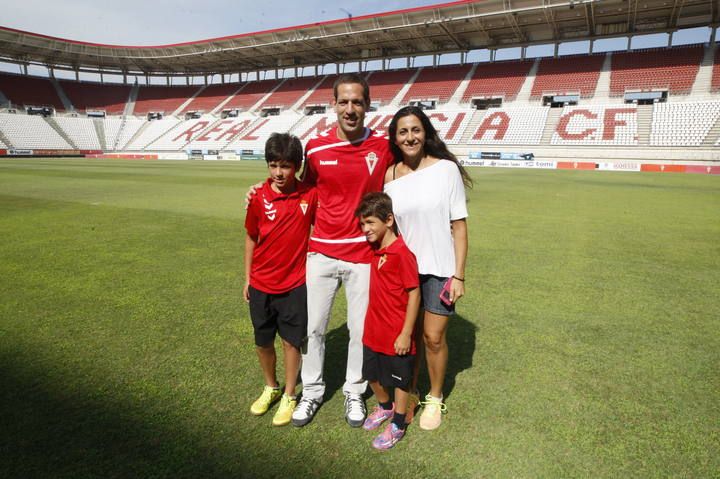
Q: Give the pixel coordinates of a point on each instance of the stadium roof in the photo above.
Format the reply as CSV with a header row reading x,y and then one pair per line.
x,y
459,26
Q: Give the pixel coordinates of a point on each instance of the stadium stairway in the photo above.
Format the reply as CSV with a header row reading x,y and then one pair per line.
x,y
130,105
222,104
51,121
456,98
395,103
472,126
61,94
297,106
264,98
551,123
602,89
4,140
99,125
178,110
523,95
703,80
713,135
644,123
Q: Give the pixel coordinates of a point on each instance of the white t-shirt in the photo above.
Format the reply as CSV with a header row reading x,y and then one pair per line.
x,y
424,203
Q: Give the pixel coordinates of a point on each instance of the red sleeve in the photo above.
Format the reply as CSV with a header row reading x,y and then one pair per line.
x,y
314,204
308,175
251,220
409,271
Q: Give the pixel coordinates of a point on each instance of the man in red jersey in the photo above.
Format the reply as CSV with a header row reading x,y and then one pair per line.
x,y
344,164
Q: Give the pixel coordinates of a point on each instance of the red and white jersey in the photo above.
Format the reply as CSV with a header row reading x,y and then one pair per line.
x,y
393,271
280,225
343,172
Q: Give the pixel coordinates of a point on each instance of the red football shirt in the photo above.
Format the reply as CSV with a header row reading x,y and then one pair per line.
x,y
343,172
280,224
393,271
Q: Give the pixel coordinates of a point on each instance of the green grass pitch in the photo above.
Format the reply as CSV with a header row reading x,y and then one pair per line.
x,y
588,344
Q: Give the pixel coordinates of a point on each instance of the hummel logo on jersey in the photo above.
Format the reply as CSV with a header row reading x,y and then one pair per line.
x,y
328,162
371,159
269,210
303,206
383,258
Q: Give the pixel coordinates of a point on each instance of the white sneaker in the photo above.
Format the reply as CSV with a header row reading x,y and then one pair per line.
x,y
355,410
305,411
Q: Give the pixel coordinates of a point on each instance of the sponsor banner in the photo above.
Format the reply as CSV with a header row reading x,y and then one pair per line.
x,y
619,166
509,163
91,152
703,169
663,168
496,155
3,152
14,152
122,156
575,165
210,157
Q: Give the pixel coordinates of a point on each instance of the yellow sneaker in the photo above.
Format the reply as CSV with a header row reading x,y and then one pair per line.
x,y
266,399
284,413
431,416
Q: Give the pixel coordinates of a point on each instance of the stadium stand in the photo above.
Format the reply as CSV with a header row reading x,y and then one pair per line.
x,y
573,74
251,94
151,131
715,85
516,125
254,136
683,124
500,79
211,97
163,99
23,90
30,132
597,125
118,131
437,83
81,131
218,135
322,95
96,96
181,134
384,86
673,69
290,92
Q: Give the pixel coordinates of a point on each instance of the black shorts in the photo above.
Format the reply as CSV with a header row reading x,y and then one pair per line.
x,y
389,371
285,313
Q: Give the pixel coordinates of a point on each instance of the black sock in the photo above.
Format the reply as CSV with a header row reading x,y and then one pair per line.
x,y
399,420
386,405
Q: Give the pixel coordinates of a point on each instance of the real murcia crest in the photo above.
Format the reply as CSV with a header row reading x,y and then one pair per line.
x,y
371,159
383,258
303,206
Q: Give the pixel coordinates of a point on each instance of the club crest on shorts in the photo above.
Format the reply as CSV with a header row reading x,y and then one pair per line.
x,y
303,206
371,159
382,261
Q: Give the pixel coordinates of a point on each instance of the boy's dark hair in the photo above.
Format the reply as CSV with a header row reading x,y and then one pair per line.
x,y
284,147
377,204
352,78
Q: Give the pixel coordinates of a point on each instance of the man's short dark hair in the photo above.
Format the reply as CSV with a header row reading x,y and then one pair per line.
x,y
284,147
353,78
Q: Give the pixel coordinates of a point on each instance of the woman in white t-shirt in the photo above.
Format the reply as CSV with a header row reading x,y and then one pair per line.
x,y
427,187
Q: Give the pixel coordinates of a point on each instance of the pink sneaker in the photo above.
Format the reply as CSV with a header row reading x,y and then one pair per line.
x,y
377,417
389,437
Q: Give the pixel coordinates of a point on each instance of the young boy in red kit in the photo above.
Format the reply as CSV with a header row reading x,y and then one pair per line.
x,y
278,224
388,339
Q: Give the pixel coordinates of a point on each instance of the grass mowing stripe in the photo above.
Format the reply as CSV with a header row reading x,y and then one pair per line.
x,y
587,344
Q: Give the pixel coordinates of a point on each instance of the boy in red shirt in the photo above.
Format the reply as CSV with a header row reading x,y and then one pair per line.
x,y
388,339
278,224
